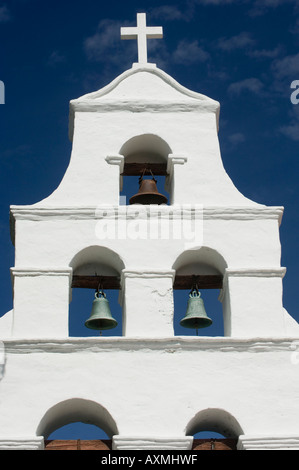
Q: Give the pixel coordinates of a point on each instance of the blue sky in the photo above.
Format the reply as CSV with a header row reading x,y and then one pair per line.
x,y
244,54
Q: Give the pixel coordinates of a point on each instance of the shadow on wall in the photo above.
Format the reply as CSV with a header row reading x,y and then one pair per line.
x,y
214,420
76,410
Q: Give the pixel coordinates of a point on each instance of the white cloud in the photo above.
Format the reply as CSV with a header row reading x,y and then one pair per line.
x,y
105,39
256,7
265,53
254,85
262,6
236,138
288,67
215,2
172,12
239,41
4,14
55,58
189,53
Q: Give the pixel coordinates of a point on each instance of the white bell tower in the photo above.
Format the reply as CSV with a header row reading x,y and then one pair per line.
x,y
149,388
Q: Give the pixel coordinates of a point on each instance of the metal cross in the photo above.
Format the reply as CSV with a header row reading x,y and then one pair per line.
x,y
141,33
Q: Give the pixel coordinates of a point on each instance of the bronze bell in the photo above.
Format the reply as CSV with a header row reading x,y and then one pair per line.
x,y
148,193
196,316
100,317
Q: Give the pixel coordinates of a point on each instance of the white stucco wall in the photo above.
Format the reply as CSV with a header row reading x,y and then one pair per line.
x,y
151,388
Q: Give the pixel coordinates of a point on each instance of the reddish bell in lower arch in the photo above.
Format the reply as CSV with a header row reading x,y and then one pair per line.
x,y
148,193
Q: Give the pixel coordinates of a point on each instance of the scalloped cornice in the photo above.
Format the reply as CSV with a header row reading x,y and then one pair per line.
x,y
186,100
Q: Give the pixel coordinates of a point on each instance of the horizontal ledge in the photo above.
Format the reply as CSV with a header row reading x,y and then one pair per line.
x,y
177,210
258,272
102,344
33,443
145,106
283,442
152,443
47,271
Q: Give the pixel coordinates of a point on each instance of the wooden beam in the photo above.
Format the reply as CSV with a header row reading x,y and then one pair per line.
x,y
180,282
136,169
202,281
93,282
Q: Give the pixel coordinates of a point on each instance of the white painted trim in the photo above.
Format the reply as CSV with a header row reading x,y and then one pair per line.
x,y
116,160
249,272
149,69
97,101
148,273
31,443
44,271
258,272
36,213
268,443
151,443
171,161
120,161
103,344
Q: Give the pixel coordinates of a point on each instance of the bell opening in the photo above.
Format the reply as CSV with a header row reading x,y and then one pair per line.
x,y
196,324
101,324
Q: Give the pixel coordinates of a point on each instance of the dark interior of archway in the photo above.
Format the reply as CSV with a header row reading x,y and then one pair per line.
x,y
134,170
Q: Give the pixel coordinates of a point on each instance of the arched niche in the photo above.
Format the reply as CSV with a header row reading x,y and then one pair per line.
x,y
202,261
215,420
76,410
145,154
203,267
95,267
